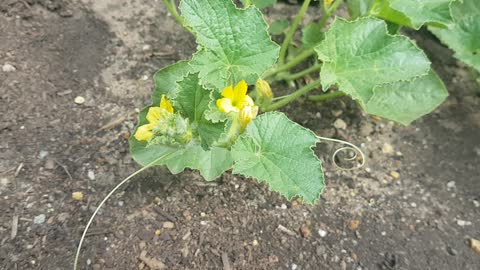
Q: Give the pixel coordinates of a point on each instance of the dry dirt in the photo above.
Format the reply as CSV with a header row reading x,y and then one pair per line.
x,y
106,51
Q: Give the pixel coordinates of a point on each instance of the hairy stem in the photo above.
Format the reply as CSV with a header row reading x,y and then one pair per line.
x,y
291,77
326,96
291,31
172,8
77,255
292,63
294,95
329,12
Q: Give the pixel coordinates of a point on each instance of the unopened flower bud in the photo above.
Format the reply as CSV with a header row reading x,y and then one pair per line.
x,y
264,93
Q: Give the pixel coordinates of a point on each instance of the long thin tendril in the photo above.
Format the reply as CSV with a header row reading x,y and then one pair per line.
x,y
77,255
350,147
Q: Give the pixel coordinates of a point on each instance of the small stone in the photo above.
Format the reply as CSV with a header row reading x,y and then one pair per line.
x,y
158,232
337,113
168,225
322,233
451,185
91,175
50,164
463,223
387,148
353,224
451,251
340,124
186,214
395,174
8,68
141,266
320,250
255,243
476,203
475,244
366,129
43,154
305,231
294,266
62,217
79,100
343,265
77,196
40,219
283,206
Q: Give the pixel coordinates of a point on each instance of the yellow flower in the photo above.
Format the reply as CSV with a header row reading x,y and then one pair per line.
x,y
263,88
144,132
247,114
235,99
328,2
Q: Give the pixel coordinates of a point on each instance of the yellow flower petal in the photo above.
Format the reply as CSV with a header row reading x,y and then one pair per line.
x,y
225,105
263,88
247,114
239,92
227,92
144,132
154,114
165,104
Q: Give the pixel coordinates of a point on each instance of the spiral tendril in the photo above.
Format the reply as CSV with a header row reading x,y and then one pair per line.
x,y
351,147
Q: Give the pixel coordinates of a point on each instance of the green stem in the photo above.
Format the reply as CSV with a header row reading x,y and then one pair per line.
x,y
326,96
291,77
294,95
295,61
172,8
329,13
291,31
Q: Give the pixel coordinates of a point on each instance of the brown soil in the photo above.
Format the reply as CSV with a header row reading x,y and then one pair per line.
x,y
51,147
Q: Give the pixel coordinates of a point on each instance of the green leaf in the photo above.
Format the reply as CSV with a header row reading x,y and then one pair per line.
x,y
279,152
211,163
413,13
192,102
312,34
387,74
404,102
359,55
358,8
463,36
166,78
278,27
262,3
234,43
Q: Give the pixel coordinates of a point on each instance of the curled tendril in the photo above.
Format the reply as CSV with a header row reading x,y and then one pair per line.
x,y
356,150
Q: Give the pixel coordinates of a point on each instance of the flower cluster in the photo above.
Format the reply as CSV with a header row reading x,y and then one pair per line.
x,y
164,126
237,104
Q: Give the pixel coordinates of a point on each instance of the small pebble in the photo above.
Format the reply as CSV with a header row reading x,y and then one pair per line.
x,y
40,219
462,223
158,232
322,233
353,224
43,154
340,124
91,175
77,196
79,100
387,148
8,68
283,206
395,174
255,243
451,185
475,244
305,231
168,225
294,266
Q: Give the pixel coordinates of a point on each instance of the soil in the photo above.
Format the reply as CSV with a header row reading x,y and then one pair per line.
x,y
414,205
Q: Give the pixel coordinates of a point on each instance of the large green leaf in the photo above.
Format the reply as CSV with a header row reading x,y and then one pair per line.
x,y
360,54
404,102
192,102
234,43
278,151
262,3
463,36
166,78
413,13
358,8
211,163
